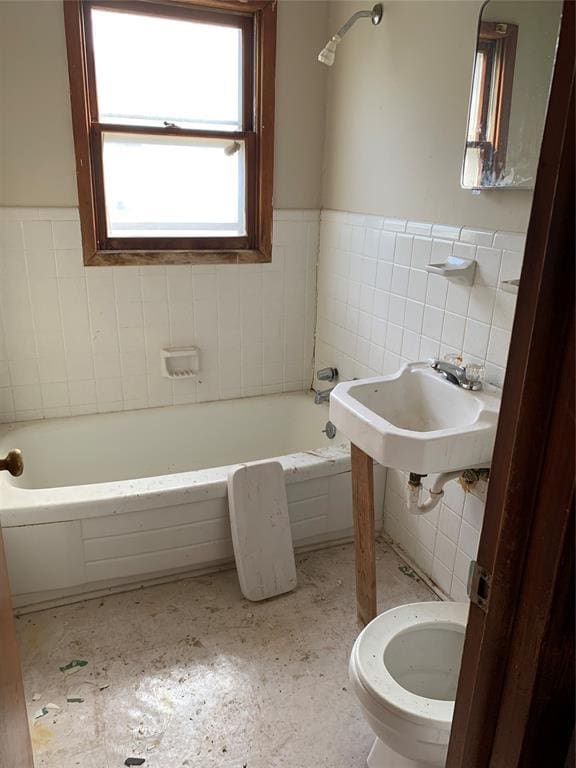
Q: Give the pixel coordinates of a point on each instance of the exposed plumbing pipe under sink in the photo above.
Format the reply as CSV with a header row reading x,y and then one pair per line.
x,y
436,491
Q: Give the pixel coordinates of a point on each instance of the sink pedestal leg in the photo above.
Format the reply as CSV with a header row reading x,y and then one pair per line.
x,y
364,534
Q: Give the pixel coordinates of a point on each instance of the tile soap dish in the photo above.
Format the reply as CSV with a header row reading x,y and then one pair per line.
x,y
454,266
180,362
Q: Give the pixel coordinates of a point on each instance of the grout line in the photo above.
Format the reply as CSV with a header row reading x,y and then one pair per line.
x,y
399,550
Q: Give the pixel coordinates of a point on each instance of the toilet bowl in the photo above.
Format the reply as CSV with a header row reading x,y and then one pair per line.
x,y
404,670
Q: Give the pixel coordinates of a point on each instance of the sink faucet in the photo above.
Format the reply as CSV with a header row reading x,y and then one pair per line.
x,y
322,395
465,376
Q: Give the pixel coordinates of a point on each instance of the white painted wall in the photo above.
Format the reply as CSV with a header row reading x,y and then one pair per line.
x,y
37,166
396,118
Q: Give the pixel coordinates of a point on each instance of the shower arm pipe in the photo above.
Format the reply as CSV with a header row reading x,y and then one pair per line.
x,y
328,53
350,23
435,492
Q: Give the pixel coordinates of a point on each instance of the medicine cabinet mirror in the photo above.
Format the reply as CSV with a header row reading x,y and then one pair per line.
x,y
513,64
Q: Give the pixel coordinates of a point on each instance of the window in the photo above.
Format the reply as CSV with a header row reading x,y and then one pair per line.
x,y
489,115
173,115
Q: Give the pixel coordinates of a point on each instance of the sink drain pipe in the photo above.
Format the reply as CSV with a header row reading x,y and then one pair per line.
x,y
468,479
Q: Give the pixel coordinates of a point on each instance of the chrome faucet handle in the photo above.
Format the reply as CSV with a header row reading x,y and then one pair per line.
x,y
322,395
327,374
474,376
455,358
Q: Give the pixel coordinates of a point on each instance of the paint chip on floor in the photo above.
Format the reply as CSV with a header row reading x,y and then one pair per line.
x,y
45,710
410,572
73,666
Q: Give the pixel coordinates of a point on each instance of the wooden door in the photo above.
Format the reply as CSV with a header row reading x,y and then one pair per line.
x,y
515,700
15,746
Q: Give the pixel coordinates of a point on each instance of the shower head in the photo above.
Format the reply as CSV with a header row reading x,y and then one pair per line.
x,y
328,54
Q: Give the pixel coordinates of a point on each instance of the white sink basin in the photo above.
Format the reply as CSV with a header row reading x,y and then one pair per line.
x,y
417,421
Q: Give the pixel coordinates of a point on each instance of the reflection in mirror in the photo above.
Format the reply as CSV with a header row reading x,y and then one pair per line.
x,y
513,66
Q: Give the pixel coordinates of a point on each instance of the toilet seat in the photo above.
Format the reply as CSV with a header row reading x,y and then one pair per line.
x,y
376,680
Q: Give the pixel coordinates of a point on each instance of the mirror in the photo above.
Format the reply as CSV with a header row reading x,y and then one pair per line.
x,y
513,65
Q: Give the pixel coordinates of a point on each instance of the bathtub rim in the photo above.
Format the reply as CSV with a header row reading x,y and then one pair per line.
x,y
36,506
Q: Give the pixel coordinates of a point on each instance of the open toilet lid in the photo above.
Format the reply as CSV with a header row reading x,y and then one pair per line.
x,y
373,674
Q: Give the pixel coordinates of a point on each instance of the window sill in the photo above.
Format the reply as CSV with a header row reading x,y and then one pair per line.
x,y
154,258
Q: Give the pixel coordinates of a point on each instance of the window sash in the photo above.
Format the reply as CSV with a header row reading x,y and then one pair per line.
x,y
258,18
170,215
115,243
239,20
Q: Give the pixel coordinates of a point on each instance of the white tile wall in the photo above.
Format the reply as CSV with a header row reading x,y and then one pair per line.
x,y
442,542
79,340
379,308
76,340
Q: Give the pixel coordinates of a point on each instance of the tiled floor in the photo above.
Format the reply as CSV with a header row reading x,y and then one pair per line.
x,y
197,676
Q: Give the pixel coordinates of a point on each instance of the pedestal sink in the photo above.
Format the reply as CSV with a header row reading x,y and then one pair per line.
x,y
417,421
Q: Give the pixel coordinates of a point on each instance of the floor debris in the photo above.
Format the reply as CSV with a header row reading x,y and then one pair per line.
x,y
45,710
134,761
410,572
41,736
75,700
73,666
163,695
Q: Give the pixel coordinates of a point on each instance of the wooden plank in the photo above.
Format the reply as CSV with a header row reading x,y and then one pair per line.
x,y
144,258
15,747
266,78
261,530
364,534
80,108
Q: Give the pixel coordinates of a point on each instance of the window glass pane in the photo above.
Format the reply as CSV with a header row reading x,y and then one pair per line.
x,y
171,186
472,167
474,122
150,70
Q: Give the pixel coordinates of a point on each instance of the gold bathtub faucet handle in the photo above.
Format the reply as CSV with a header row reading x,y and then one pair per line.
x,y
12,463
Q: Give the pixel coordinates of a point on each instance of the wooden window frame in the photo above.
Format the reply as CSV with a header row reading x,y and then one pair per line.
x,y
258,21
498,41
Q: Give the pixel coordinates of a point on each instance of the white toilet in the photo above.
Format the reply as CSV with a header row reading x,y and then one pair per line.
x,y
404,670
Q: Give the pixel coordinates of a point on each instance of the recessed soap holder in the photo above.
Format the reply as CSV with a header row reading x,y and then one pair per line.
x,y
179,362
454,266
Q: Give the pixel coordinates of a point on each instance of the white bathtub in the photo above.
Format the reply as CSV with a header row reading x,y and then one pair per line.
x,y
108,501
